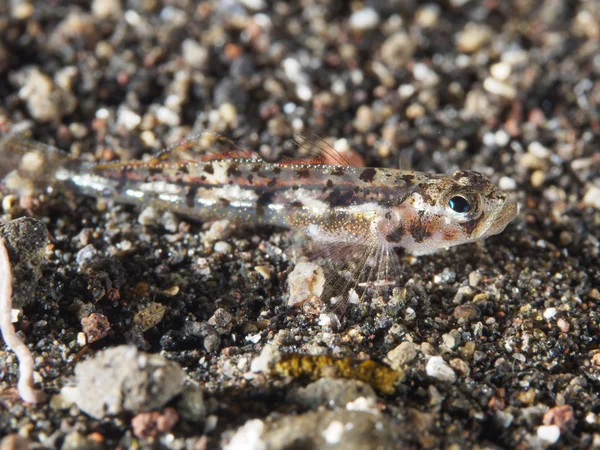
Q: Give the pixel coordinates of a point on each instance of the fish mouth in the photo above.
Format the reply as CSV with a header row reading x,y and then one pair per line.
x,y
503,217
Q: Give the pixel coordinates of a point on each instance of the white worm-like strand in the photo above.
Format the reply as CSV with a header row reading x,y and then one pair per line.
x,y
25,386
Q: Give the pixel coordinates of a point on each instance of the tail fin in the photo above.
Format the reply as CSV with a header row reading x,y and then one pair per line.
x,y
27,166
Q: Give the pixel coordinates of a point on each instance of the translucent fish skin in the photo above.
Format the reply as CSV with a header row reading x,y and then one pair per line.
x,y
333,204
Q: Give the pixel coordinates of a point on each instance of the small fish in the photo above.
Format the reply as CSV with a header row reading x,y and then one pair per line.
x,y
358,217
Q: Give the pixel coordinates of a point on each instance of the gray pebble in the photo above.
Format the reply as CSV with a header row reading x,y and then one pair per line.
x,y
123,379
25,241
331,392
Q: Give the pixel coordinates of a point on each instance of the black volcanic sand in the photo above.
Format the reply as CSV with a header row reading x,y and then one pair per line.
x,y
510,89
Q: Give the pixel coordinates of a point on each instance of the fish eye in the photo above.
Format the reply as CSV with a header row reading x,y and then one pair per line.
x,y
459,204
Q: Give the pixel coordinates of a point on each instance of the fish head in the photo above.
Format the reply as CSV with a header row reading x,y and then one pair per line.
x,y
444,211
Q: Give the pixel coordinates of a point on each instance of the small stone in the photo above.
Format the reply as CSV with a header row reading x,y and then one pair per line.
x,y
122,379
148,317
331,392
254,5
78,441
397,50
538,177
449,341
148,217
128,119
219,230
194,53
45,100
549,313
86,255
439,369
222,247
264,271
148,425
64,399
21,10
507,184
107,9
365,119
222,321
500,71
306,281
467,311
499,88
334,432
462,367
428,16
414,111
228,113
25,240
592,197
473,37
265,361
14,442
475,278
364,19
191,405
95,326
548,433
401,355
562,416
248,437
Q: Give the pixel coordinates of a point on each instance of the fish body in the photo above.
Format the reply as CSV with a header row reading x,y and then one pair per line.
x,y
372,211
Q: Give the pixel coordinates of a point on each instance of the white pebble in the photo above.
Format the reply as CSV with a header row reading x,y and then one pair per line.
x,y
592,197
549,313
248,437
194,53
222,247
537,149
500,88
254,5
86,255
333,433
507,184
305,281
148,216
128,119
500,71
548,433
364,19
439,369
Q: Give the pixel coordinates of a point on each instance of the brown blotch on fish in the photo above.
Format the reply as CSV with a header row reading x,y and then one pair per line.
x,y
339,198
396,234
233,170
250,177
419,231
272,182
368,175
338,172
190,197
208,168
450,235
303,173
471,225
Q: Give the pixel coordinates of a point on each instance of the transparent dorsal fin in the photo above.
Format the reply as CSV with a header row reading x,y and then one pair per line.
x,y
314,150
207,146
